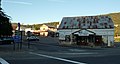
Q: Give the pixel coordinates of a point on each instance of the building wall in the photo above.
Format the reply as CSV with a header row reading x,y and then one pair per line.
x,y
101,25
53,29
44,28
44,33
107,34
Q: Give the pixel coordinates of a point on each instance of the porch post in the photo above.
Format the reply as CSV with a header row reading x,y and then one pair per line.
x,y
109,43
71,37
94,39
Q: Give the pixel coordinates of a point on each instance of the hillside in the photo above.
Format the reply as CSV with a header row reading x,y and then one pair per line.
x,y
116,19
37,26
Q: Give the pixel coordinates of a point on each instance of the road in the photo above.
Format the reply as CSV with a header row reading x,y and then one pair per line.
x,y
40,53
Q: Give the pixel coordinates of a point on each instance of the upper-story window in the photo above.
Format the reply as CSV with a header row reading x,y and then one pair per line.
x,y
43,28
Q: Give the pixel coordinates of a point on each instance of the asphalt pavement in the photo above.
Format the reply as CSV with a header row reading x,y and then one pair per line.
x,y
48,51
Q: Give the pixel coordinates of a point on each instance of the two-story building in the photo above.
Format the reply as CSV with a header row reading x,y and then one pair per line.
x,y
47,30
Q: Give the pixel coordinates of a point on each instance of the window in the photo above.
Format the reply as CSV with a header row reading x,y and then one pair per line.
x,y
43,28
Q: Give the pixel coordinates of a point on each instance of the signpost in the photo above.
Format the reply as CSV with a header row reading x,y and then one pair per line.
x,y
18,37
18,26
28,35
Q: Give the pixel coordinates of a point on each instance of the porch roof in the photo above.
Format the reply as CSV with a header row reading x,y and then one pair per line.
x,y
84,32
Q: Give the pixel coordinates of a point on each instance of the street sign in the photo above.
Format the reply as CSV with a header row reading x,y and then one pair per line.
x,y
17,32
17,39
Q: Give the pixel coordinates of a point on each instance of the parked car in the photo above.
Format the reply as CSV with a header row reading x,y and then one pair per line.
x,y
6,40
32,38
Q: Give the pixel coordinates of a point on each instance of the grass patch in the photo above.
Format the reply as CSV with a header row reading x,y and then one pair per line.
x,y
117,39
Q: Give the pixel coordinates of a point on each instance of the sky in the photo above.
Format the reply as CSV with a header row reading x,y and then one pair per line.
x,y
44,11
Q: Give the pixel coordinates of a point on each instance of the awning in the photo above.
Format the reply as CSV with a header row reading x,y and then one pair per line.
x,y
84,32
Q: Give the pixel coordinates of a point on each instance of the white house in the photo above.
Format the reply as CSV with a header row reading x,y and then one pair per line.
x,y
45,29
87,29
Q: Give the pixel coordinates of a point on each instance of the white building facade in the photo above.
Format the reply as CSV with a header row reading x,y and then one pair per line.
x,y
46,29
95,29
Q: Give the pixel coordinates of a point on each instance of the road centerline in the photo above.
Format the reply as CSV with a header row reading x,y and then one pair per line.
x,y
57,58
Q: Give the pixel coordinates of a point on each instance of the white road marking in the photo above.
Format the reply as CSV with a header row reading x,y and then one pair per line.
x,y
77,50
2,61
57,58
78,53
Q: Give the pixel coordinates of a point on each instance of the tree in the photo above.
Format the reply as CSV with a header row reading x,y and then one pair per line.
x,y
0,5
5,24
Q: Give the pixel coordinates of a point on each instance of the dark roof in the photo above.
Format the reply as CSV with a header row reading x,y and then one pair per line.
x,y
50,26
87,22
14,27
